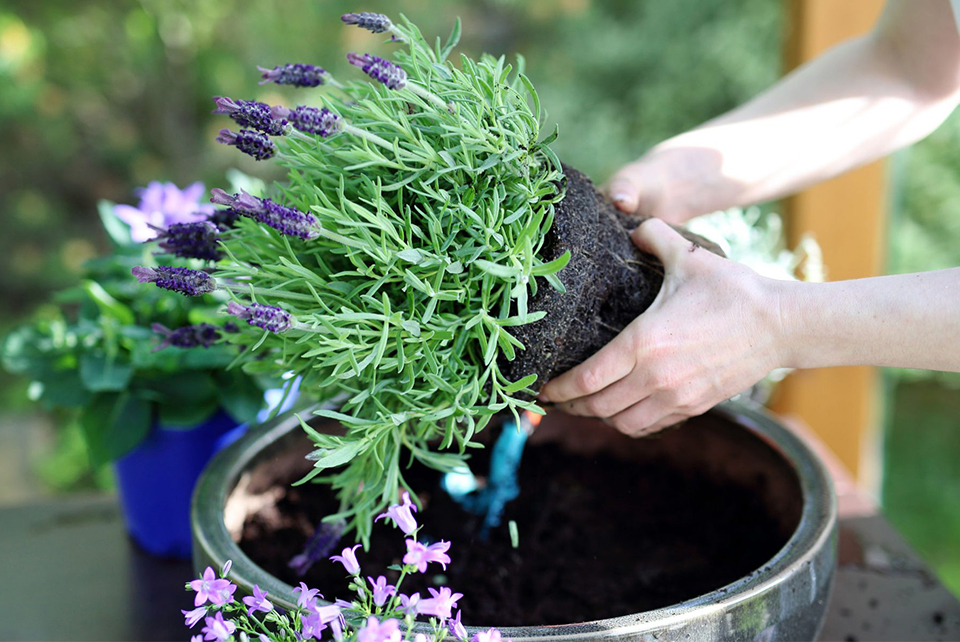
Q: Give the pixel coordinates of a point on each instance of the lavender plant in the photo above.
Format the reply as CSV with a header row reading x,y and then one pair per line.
x,y
379,612
389,267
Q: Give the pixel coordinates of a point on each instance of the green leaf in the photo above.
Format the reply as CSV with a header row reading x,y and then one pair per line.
x,y
239,395
517,386
451,41
63,389
108,305
187,415
553,266
495,269
113,424
117,230
101,373
411,255
324,458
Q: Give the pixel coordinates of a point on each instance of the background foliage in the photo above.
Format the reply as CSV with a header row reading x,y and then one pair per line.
x,y
98,96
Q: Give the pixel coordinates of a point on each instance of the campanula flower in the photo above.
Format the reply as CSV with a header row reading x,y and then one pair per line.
x,y
402,514
381,590
217,628
420,555
349,560
441,604
457,629
194,616
376,631
258,601
307,596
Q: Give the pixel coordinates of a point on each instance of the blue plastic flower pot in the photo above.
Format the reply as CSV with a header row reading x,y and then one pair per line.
x,y
156,479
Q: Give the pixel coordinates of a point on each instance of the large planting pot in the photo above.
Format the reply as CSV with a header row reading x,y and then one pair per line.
x,y
784,599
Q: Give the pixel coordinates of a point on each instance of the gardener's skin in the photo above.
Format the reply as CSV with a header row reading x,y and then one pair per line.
x,y
717,327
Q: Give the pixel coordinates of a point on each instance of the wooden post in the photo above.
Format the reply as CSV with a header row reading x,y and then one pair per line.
x,y
842,405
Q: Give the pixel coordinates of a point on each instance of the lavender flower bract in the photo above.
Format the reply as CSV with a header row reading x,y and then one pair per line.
x,y
311,120
268,317
384,71
375,22
285,220
250,142
298,75
192,241
250,113
190,336
177,279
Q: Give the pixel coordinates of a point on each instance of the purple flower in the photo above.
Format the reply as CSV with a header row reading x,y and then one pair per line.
x,y
285,220
420,555
208,587
198,638
490,635
381,590
217,628
190,336
307,596
268,317
375,22
457,629
258,601
410,604
420,637
311,120
250,113
224,219
194,616
192,241
391,75
402,515
294,74
161,205
349,560
177,279
330,614
441,604
250,142
319,546
226,568
376,631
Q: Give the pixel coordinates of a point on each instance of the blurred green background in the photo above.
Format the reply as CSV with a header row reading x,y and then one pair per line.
x,y
100,96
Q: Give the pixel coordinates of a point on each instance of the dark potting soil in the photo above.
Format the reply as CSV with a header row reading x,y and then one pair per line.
x,y
608,282
599,537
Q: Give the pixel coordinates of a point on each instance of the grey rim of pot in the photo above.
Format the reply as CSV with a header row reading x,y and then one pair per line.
x,y
783,600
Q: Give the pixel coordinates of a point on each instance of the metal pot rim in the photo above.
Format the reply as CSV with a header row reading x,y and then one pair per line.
x,y
817,524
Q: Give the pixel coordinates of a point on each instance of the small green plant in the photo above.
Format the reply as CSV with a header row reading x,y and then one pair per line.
x,y
387,270
111,353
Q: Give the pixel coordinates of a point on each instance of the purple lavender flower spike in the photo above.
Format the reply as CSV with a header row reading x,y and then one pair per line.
x,y
381,590
217,628
268,317
250,113
319,546
310,120
192,617
441,604
257,602
420,555
162,204
457,630
297,75
192,241
391,75
285,220
177,279
190,336
348,558
375,22
402,514
250,142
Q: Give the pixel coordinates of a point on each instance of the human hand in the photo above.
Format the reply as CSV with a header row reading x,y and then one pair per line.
x,y
672,182
712,332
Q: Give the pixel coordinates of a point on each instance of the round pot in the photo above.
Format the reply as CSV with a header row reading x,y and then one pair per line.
x,y
784,599
155,482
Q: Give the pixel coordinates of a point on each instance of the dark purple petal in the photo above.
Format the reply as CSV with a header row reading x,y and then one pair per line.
x,y
375,22
384,71
250,113
191,336
177,279
311,120
250,142
286,220
297,75
268,317
192,241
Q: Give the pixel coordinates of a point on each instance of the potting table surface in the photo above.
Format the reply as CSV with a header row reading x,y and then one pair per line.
x,y
69,572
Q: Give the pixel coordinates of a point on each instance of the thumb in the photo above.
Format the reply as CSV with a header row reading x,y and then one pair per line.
x,y
623,189
657,238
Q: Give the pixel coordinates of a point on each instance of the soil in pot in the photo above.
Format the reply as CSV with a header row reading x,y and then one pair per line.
x,y
618,530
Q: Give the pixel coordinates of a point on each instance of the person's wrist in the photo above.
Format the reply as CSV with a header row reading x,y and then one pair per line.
x,y
784,321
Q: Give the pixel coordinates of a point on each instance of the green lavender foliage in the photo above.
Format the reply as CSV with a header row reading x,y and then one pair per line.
x,y
431,221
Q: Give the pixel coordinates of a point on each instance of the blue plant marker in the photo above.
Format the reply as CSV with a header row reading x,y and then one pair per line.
x,y
502,485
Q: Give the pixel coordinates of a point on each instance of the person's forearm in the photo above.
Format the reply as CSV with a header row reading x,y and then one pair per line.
x,y
859,102
902,321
